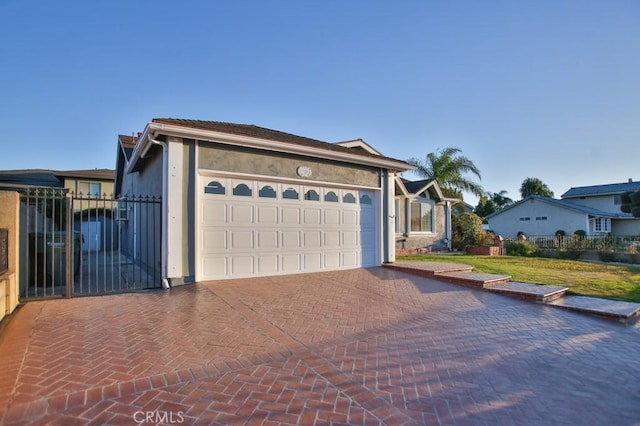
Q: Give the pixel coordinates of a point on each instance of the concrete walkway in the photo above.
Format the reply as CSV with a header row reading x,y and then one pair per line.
x,y
368,346
553,295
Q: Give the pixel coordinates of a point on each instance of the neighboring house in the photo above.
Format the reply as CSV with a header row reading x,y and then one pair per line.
x,y
592,209
423,215
607,198
93,183
241,200
85,185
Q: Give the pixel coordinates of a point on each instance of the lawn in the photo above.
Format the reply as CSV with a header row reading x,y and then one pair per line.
x,y
583,278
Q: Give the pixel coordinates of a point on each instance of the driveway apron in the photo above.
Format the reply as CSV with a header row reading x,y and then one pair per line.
x,y
365,346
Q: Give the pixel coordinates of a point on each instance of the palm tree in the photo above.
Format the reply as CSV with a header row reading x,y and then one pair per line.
x,y
491,202
500,199
448,168
534,186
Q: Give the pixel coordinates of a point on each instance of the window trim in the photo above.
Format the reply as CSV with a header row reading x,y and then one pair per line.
x,y
422,201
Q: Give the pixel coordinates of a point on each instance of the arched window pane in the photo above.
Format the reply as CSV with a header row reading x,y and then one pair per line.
x,y
312,195
267,192
349,198
242,190
365,199
331,197
214,188
290,194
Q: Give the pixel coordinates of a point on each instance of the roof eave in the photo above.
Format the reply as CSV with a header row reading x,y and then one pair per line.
x,y
154,129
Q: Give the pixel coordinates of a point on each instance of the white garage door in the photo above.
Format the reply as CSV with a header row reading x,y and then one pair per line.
x,y
250,228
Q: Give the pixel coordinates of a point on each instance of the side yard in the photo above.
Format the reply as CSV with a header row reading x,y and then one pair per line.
x,y
616,282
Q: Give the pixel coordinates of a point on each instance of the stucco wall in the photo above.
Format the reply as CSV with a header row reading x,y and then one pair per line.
x,y
625,227
10,220
603,202
508,223
223,158
404,239
144,220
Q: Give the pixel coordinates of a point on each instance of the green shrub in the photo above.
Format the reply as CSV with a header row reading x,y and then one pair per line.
x,y
607,255
570,254
580,233
467,231
519,248
560,233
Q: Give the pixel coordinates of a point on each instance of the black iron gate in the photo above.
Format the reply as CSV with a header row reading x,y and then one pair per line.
x,y
78,245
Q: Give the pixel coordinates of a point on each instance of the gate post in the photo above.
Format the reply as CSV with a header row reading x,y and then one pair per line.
x,y
70,241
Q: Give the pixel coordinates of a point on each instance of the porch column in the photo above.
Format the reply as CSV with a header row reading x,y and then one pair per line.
x,y
447,223
175,188
389,217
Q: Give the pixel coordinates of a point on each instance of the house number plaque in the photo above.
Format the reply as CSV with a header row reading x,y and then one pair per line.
x,y
4,250
304,171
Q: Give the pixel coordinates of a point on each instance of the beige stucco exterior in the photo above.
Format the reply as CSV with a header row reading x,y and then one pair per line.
x,y
222,158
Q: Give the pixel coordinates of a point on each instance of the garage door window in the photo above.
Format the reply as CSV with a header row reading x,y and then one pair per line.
x,y
242,190
312,195
349,198
331,197
267,192
290,194
365,199
214,188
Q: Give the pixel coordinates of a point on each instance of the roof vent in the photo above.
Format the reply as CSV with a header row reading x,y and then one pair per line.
x,y
630,180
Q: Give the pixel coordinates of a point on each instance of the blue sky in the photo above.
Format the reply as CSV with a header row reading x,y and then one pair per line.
x,y
546,89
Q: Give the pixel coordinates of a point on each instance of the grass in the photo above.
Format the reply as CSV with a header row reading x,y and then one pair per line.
x,y
614,282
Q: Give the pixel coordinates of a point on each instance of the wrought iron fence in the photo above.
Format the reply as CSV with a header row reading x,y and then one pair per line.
x,y
76,244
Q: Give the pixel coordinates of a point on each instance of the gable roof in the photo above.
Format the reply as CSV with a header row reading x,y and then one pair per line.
x,y
563,204
360,144
609,189
409,188
252,136
254,131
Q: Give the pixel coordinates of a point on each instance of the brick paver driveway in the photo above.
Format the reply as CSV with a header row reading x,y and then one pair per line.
x,y
369,346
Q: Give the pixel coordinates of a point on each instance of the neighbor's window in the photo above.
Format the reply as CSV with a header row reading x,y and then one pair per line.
x,y
617,199
601,224
89,189
422,216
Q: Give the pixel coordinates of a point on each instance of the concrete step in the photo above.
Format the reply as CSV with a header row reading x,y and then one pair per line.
x,y
625,312
428,269
474,279
533,292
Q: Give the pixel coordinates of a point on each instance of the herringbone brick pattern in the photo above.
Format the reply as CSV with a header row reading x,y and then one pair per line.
x,y
371,346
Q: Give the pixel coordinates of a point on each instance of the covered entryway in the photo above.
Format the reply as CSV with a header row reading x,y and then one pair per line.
x,y
259,228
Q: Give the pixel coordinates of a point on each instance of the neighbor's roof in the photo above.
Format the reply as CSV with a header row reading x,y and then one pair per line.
x,y
254,131
98,174
609,189
50,178
564,204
